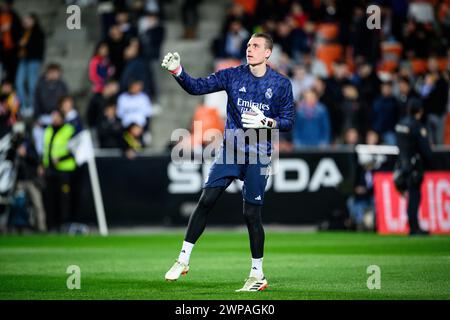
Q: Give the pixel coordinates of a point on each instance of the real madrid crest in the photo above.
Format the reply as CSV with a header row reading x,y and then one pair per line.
x,y
269,93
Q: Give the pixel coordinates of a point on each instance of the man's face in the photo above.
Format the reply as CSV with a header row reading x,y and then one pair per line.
x,y
53,75
365,70
115,33
310,98
57,119
351,136
122,17
6,88
110,111
257,52
103,50
404,87
111,89
433,65
28,22
299,72
136,131
386,90
67,106
235,27
372,137
136,87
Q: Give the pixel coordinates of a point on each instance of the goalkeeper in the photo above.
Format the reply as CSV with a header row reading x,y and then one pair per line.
x,y
259,98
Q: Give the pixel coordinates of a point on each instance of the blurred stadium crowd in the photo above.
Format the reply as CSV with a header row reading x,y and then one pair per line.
x,y
351,84
120,70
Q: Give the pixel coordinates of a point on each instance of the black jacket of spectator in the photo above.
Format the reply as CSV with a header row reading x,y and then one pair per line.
x,y
48,94
95,109
385,114
35,47
116,50
404,100
369,89
28,164
110,133
352,115
150,43
332,99
285,42
436,101
137,69
365,42
272,9
418,42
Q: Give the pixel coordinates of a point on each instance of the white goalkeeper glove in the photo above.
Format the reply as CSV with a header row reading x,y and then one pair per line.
x,y
171,62
257,120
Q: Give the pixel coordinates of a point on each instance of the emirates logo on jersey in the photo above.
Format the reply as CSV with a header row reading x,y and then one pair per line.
x,y
269,93
248,104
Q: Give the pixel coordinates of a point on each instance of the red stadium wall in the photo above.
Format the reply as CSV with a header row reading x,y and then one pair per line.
x,y
434,211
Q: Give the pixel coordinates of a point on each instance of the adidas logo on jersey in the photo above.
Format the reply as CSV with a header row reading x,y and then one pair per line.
x,y
242,89
258,198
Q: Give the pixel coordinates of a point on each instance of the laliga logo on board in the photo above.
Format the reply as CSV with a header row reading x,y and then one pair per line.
x,y
269,93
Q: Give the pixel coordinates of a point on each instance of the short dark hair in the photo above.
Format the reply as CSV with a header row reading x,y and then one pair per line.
x,y
414,106
63,99
266,36
59,112
133,81
6,82
110,102
404,79
53,66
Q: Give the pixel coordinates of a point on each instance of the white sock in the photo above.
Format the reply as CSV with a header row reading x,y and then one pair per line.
x,y
185,252
257,269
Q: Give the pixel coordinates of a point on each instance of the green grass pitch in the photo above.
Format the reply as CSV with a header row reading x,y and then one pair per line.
x,y
297,265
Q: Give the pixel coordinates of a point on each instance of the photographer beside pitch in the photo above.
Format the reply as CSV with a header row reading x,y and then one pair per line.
x,y
259,98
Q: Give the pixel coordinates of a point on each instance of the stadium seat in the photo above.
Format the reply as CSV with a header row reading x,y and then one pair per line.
x,y
418,66
329,53
327,31
248,5
391,49
391,54
388,66
210,119
442,62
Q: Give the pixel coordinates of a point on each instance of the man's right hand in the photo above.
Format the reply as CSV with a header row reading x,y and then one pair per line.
x,y
171,62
